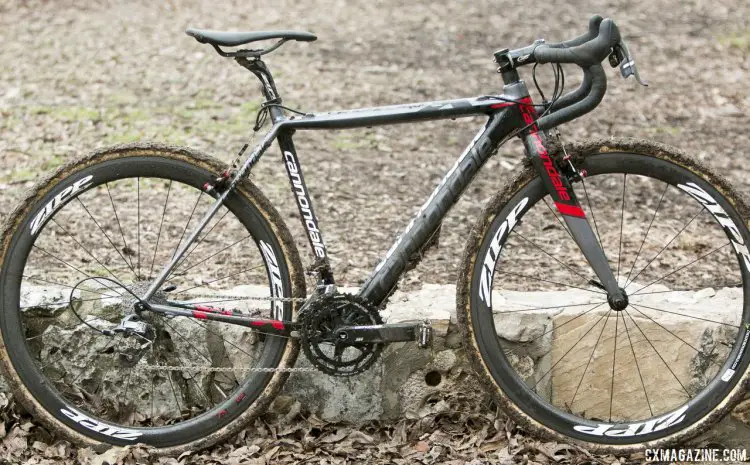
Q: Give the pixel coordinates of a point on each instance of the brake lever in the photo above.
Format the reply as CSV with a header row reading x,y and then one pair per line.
x,y
621,56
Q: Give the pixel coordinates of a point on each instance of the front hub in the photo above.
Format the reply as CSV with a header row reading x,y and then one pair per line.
x,y
619,300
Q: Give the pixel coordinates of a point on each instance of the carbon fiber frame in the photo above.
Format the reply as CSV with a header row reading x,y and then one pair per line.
x,y
508,114
504,118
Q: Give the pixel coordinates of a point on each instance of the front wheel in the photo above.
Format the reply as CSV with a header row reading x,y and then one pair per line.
x,y
94,235
563,361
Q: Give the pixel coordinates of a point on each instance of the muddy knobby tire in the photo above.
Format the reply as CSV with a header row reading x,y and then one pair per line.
x,y
19,217
586,150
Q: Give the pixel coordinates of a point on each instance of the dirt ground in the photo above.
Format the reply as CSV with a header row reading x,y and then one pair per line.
x,y
82,75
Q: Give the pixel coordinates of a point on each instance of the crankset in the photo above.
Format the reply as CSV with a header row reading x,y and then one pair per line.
x,y
343,335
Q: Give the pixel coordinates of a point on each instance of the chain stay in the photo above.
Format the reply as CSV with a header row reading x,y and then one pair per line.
x,y
232,369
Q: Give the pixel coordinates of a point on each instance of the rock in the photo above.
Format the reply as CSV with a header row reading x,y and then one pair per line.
x,y
704,294
411,382
47,301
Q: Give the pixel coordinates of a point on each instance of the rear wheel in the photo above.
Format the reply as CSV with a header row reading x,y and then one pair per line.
x,y
566,362
94,235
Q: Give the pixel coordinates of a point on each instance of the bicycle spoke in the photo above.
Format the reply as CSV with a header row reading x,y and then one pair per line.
x,y
688,316
209,403
161,225
138,216
551,282
65,231
73,267
200,241
657,352
563,324
679,269
687,290
571,348
174,392
183,272
119,226
188,342
539,308
586,280
622,222
222,278
67,302
675,335
80,373
637,367
640,248
700,210
184,230
106,235
127,390
152,418
205,327
591,357
67,286
614,361
199,302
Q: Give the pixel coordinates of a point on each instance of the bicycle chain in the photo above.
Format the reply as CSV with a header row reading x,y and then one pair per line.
x,y
232,369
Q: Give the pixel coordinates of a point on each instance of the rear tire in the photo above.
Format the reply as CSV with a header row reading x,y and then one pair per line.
x,y
193,428
495,359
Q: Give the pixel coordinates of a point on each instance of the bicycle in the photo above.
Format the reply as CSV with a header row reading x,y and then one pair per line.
x,y
136,337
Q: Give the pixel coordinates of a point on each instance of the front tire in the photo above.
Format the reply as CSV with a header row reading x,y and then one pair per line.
x,y
505,350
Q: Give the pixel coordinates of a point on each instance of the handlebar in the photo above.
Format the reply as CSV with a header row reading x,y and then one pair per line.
x,y
587,51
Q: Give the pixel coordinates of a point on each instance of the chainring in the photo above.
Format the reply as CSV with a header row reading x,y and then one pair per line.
x,y
318,323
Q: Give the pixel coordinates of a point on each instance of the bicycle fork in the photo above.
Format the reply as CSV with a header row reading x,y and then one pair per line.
x,y
559,187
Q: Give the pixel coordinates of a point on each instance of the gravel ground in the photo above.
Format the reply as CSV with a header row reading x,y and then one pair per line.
x,y
82,75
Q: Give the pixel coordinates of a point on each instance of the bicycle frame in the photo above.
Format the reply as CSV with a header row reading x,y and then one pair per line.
x,y
508,114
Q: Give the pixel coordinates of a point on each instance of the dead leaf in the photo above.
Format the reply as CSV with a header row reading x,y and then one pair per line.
x,y
422,446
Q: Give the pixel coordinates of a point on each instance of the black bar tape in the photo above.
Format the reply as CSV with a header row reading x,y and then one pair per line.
x,y
598,88
586,54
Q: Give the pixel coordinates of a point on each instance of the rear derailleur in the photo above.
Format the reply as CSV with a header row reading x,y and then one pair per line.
x,y
143,335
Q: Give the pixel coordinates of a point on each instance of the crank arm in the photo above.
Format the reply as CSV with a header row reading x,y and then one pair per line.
x,y
200,312
386,333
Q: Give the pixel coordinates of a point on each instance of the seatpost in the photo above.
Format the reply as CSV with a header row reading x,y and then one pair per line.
x,y
261,71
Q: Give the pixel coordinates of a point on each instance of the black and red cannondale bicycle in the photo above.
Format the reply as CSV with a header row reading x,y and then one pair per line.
x,y
152,295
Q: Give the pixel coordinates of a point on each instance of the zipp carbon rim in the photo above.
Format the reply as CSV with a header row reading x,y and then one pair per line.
x,y
663,368
101,188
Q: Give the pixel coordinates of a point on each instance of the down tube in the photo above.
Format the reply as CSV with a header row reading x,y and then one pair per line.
x,y
385,276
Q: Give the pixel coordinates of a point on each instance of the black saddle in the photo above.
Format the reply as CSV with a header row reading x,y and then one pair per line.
x,y
233,39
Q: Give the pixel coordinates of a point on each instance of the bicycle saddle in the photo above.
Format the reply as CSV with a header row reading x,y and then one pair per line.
x,y
232,39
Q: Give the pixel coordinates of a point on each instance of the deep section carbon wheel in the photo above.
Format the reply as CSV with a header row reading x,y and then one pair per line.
x,y
87,242
658,366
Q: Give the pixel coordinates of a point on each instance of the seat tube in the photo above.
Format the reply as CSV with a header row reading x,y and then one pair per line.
x,y
559,188
307,213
